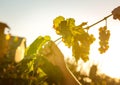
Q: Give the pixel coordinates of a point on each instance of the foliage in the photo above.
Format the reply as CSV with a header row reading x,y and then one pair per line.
x,y
34,69
78,38
36,65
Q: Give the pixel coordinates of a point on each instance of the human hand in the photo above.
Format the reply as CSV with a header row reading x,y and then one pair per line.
x,y
116,13
53,54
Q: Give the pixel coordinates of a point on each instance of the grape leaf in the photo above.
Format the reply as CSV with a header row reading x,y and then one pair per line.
x,y
74,36
36,65
37,45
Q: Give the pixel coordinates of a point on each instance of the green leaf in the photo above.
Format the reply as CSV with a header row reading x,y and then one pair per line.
x,y
37,45
40,73
30,66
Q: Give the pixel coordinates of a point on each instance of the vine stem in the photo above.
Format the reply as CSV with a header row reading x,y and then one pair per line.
x,y
98,21
58,39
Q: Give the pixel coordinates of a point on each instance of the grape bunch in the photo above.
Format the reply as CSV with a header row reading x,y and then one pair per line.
x,y
104,36
81,46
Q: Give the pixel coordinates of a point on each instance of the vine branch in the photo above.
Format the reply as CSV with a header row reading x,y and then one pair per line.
x,y
58,39
98,21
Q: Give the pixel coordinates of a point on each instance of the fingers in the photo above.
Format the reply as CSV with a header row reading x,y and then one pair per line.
x,y
53,54
46,50
116,13
49,48
57,52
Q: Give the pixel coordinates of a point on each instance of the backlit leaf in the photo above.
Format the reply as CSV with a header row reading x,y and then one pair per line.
x,y
74,36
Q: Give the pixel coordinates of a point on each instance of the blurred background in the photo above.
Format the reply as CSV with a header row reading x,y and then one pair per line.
x,y
32,18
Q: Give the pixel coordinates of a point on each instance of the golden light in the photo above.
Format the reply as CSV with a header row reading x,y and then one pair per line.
x,y
19,54
7,36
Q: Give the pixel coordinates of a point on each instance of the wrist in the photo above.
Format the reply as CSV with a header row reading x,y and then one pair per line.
x,y
68,77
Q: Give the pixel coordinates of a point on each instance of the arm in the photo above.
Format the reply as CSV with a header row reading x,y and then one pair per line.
x,y
55,56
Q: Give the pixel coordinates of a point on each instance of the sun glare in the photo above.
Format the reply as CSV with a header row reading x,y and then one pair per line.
x,y
108,63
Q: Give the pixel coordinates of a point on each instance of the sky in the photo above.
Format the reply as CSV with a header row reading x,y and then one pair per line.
x,y
32,18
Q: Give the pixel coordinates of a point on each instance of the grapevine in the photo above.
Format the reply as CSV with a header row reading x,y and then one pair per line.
x,y
78,38
36,65
74,36
34,69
